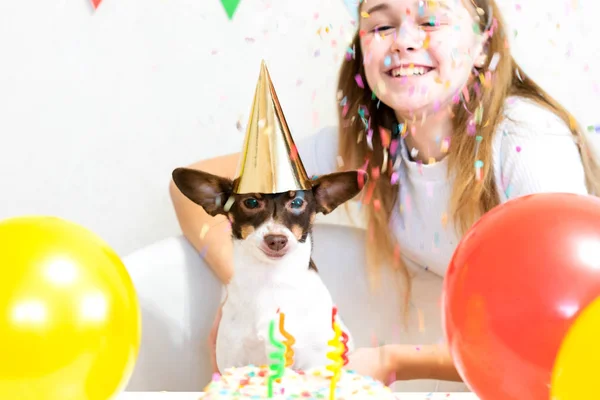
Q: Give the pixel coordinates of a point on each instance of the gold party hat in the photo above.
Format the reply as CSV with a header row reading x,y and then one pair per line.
x,y
269,161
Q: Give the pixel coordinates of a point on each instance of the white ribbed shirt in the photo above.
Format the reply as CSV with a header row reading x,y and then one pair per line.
x,y
533,152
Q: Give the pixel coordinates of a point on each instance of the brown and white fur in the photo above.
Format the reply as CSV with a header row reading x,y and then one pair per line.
x,y
273,269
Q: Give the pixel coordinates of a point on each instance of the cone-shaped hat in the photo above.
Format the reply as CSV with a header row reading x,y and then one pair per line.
x,y
269,162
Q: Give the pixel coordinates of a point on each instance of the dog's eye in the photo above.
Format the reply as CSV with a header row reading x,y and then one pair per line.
x,y
297,203
251,203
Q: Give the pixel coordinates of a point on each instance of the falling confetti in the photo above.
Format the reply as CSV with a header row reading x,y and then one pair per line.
x,y
479,170
593,129
376,205
359,81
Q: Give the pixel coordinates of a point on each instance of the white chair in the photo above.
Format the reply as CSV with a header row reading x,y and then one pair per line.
x,y
179,296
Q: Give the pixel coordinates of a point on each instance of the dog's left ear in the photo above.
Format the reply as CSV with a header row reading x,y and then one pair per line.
x,y
209,191
334,189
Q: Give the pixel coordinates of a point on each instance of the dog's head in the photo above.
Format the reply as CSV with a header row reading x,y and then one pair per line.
x,y
271,226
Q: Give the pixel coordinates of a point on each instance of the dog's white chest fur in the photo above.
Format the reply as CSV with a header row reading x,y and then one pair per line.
x,y
254,296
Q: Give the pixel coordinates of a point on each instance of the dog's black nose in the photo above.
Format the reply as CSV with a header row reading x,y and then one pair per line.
x,y
276,242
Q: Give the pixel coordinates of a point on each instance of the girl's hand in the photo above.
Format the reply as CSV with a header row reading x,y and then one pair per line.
x,y
404,362
375,362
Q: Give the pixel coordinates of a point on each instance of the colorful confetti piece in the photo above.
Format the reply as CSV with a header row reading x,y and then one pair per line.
x,y
359,81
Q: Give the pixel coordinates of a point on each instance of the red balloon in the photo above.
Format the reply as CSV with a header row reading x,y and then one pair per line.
x,y
515,284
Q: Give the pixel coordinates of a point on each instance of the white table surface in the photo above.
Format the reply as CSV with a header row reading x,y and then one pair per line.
x,y
198,395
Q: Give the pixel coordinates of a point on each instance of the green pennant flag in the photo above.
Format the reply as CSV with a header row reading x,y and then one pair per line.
x,y
230,6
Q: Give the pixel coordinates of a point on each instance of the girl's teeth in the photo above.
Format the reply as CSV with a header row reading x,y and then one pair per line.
x,y
408,71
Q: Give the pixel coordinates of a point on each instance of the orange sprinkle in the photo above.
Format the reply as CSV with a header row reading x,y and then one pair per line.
x,y
444,219
369,193
385,136
375,173
376,204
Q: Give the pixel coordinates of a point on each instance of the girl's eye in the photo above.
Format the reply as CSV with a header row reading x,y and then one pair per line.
x,y
251,203
297,203
382,28
431,22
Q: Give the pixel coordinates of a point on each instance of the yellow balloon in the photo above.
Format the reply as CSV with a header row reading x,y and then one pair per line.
x,y
577,366
70,323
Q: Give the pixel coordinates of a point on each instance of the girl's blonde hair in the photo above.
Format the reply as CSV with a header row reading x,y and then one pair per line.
x,y
361,111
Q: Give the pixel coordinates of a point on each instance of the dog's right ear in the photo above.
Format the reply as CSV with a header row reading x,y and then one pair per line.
x,y
209,191
336,188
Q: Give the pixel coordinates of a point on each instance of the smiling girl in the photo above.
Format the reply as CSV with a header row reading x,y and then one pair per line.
x,y
435,108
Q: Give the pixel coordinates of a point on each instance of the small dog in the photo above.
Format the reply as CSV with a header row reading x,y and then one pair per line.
x,y
273,269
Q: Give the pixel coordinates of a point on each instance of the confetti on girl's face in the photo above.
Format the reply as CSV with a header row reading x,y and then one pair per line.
x,y
387,61
446,27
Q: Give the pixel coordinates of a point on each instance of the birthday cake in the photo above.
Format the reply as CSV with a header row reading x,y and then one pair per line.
x,y
251,382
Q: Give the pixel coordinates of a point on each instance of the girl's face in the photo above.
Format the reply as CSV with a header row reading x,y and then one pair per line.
x,y
418,54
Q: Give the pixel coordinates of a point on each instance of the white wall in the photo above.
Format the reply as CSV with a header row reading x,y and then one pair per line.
x,y
97,108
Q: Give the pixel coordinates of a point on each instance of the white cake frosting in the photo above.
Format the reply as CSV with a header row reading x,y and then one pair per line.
x,y
250,382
